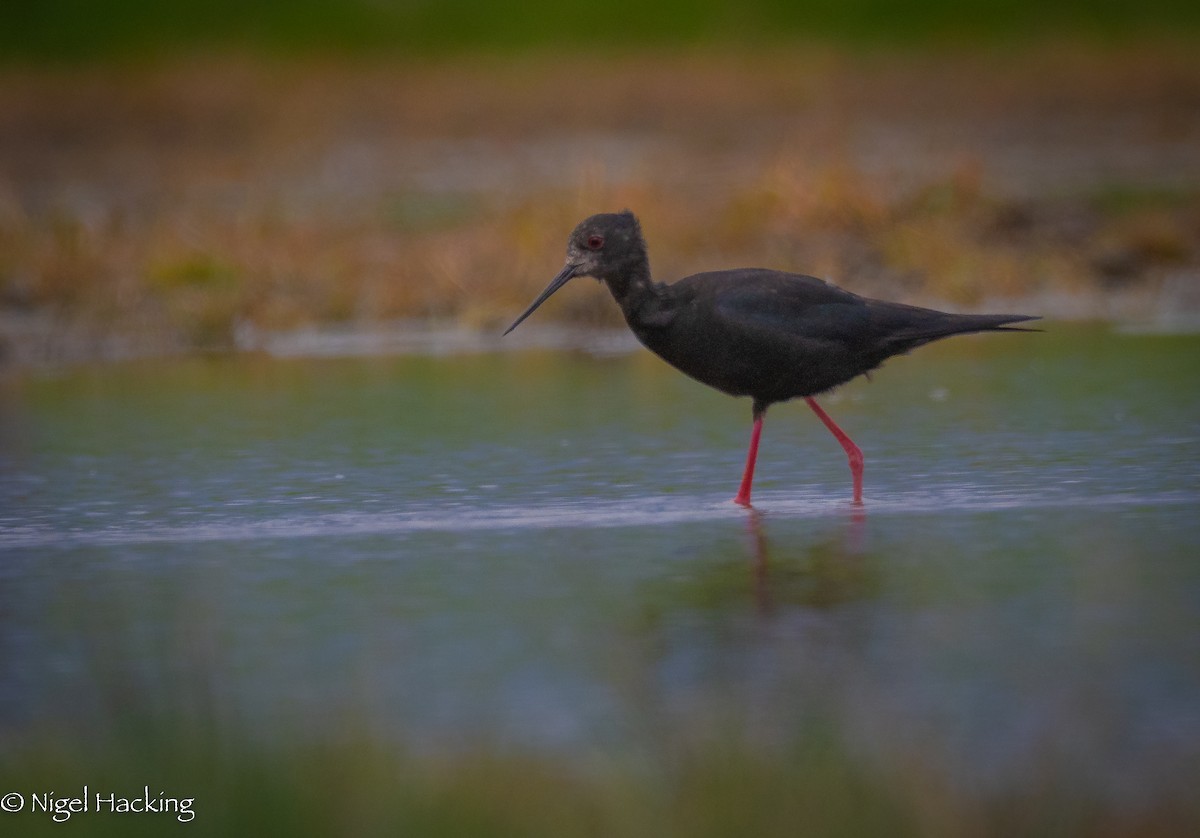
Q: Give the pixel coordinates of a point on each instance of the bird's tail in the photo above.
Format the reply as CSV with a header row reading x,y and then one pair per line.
x,y
962,324
934,325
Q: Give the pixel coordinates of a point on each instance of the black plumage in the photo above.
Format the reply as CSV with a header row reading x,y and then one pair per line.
x,y
769,335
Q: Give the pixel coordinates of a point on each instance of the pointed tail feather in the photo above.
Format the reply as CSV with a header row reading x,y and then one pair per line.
x,y
945,325
967,323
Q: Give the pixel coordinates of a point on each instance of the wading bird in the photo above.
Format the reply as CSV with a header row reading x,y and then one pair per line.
x,y
766,334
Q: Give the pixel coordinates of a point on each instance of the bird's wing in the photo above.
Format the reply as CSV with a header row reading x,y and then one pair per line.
x,y
786,308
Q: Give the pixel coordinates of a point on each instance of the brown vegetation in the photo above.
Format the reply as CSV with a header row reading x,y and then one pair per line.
x,y
165,208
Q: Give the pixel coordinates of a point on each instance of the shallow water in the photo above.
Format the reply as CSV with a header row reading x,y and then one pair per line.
x,y
537,549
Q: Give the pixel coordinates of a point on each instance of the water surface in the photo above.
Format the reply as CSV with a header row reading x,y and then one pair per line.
x,y
536,550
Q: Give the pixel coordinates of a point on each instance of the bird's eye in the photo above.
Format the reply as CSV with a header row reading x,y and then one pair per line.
x,y
595,242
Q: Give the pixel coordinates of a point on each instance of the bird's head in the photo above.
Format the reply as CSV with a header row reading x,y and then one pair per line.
x,y
608,246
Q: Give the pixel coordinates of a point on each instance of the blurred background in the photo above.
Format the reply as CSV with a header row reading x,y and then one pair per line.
x,y
440,589
198,176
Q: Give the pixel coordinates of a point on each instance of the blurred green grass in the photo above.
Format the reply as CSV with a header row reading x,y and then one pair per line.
x,y
718,787
79,29
358,787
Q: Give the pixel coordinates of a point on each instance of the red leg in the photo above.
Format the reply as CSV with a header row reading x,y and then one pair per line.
x,y
853,452
743,495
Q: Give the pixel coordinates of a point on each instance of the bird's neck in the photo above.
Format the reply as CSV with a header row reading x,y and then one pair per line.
x,y
632,289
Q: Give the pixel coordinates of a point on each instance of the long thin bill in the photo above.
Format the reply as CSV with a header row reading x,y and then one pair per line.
x,y
556,283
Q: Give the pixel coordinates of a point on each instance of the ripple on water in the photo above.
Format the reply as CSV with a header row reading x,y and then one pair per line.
x,y
581,513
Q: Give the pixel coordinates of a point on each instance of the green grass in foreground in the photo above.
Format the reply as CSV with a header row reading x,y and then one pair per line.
x,y
359,787
75,29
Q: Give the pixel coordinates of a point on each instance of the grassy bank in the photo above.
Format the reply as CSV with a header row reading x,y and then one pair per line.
x,y
358,787
74,30
172,207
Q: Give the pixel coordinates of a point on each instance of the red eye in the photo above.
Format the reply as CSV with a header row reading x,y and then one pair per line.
x,y
595,242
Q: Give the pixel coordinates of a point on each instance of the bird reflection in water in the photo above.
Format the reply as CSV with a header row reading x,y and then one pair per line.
x,y
833,570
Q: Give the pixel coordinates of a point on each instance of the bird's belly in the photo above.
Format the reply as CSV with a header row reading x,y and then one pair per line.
x,y
745,369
